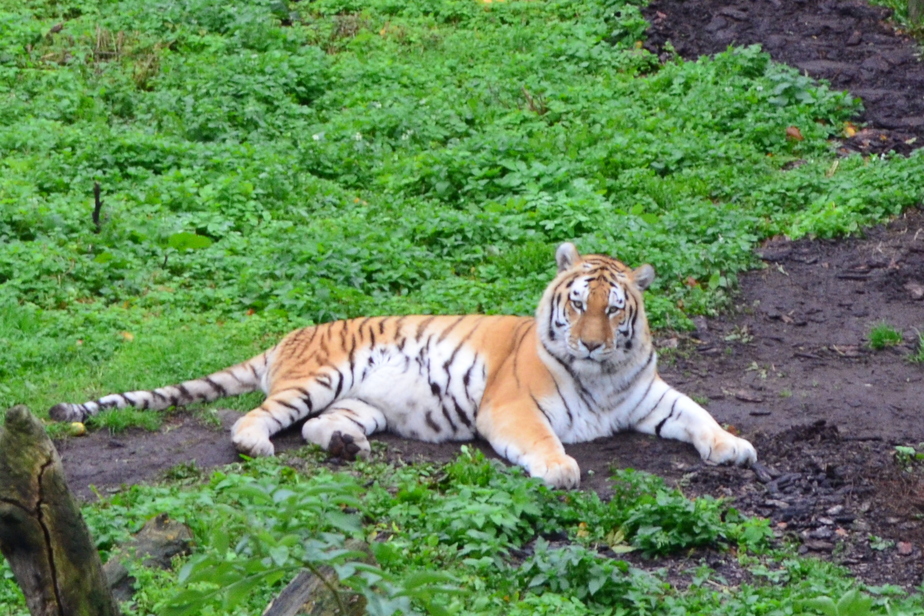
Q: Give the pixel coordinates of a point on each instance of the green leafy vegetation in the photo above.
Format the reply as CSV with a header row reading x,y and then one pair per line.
x,y
901,14
909,457
265,165
883,335
918,356
852,603
118,420
473,537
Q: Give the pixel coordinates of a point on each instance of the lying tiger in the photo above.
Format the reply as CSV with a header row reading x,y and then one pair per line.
x,y
583,368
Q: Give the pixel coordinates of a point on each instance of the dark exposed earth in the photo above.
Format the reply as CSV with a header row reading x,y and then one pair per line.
x,y
849,43
789,367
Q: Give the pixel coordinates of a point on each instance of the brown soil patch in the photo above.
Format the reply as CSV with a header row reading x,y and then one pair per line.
x,y
849,43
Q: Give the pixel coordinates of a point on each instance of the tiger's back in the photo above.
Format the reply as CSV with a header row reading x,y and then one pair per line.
x,y
583,368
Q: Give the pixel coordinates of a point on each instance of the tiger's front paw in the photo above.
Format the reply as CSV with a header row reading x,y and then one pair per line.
x,y
251,441
561,471
729,449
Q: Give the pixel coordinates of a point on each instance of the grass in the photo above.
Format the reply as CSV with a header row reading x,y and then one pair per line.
x,y
883,335
261,170
265,165
117,420
478,523
918,356
914,28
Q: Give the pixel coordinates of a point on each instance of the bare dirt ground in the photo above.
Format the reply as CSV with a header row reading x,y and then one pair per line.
x,y
789,367
849,43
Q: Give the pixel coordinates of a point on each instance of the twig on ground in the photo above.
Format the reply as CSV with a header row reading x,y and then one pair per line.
x,y
98,206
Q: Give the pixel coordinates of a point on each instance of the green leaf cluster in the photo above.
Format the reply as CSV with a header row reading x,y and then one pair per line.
x,y
471,537
883,335
301,162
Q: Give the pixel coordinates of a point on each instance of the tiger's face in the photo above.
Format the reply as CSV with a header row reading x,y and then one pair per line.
x,y
593,309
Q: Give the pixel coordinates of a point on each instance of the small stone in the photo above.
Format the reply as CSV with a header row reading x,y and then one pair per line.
x,y
702,327
826,521
747,396
762,472
774,41
875,63
905,548
668,343
835,510
734,13
817,545
772,502
716,24
916,289
845,518
157,543
823,532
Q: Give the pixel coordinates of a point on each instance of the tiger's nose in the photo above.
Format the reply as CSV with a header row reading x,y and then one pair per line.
x,y
592,346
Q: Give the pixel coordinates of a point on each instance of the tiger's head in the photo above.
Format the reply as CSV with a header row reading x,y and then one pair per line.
x,y
592,311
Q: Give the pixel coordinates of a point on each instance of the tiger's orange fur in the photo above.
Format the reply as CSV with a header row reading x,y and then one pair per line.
x,y
583,368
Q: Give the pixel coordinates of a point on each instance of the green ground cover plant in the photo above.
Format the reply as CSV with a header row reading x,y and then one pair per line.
x,y
918,356
883,335
900,8
511,546
264,165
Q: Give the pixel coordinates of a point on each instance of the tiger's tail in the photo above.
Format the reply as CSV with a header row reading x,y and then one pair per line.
x,y
243,378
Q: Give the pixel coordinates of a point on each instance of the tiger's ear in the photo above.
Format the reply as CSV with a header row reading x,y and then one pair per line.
x,y
566,256
643,275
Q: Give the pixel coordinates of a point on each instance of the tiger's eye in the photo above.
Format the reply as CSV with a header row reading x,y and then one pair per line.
x,y
612,310
578,304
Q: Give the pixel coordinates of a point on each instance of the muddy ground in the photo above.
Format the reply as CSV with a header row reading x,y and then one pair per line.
x,y
789,367
848,43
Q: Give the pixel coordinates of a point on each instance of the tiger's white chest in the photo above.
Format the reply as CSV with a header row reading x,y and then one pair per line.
x,y
599,405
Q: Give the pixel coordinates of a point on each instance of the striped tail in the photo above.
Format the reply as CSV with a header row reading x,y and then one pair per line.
x,y
243,378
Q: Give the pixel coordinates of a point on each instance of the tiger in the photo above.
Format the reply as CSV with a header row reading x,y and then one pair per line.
x,y
584,367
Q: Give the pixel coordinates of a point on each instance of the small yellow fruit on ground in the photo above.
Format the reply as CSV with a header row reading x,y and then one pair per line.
x,y
77,429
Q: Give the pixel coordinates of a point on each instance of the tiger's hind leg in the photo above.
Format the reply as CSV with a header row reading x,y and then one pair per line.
x,y
288,402
342,428
251,433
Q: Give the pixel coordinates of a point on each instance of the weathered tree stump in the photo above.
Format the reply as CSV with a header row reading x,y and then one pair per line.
x,y
309,595
915,11
42,534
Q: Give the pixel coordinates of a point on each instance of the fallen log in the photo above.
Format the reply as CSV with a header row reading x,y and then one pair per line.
x,y
915,11
42,533
319,593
